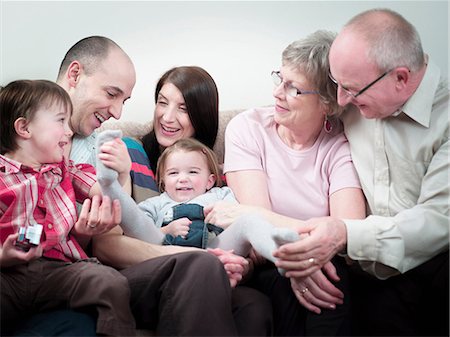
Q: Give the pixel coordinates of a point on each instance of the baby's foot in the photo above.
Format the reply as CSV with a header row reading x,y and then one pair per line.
x,y
105,175
282,236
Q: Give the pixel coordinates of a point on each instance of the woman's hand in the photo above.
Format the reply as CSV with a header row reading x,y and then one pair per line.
x,y
316,291
177,227
98,216
10,255
224,213
234,265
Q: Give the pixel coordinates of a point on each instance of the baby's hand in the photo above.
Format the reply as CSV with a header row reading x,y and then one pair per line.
x,y
10,255
114,154
177,227
234,265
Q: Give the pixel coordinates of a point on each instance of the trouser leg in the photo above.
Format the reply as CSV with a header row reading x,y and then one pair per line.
x,y
184,294
83,285
62,322
288,314
333,322
414,303
252,312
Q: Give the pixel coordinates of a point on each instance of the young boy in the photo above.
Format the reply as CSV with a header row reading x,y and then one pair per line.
x,y
38,193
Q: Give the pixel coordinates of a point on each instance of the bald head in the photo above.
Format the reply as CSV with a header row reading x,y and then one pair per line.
x,y
89,52
391,40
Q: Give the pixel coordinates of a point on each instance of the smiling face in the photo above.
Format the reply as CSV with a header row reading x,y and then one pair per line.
x,y
186,175
171,120
300,111
98,96
49,135
352,69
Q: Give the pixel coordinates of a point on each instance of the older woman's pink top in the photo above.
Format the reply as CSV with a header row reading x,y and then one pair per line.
x,y
299,182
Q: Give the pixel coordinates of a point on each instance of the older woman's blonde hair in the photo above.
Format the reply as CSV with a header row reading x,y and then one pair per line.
x,y
310,57
188,145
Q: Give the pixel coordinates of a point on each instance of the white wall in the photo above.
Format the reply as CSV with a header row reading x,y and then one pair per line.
x,y
237,42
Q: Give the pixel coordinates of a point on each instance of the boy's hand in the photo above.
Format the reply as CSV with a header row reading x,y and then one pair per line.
x,y
10,255
177,227
114,154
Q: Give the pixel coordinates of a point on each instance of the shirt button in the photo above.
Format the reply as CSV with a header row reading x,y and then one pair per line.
x,y
41,202
50,226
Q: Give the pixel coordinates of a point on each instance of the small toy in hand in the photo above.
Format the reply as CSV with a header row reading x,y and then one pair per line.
x,y
29,236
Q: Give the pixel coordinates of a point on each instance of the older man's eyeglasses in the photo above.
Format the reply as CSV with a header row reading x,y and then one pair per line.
x,y
288,87
367,87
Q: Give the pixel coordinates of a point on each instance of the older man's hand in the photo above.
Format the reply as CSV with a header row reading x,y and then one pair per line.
x,y
326,237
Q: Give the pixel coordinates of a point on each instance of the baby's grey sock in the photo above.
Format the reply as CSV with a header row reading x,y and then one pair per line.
x,y
105,175
282,236
135,223
252,230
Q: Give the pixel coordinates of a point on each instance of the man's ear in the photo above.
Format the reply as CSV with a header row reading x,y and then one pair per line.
x,y
21,127
402,76
73,73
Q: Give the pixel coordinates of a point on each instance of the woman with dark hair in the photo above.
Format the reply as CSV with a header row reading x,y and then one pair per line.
x,y
186,105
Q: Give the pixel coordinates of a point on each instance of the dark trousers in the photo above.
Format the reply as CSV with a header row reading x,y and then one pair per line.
x,y
290,317
63,322
46,284
189,294
415,303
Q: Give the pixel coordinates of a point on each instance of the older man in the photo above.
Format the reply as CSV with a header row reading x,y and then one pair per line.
x,y
399,138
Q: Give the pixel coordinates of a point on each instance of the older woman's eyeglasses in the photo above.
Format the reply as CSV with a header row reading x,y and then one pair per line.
x,y
288,87
367,87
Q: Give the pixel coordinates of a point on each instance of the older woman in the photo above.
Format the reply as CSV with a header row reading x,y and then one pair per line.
x,y
294,160
186,106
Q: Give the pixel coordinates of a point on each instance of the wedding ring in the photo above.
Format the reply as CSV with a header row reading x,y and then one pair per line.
x,y
311,260
92,226
304,291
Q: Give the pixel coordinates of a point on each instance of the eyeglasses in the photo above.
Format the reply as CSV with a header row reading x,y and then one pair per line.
x,y
351,94
288,87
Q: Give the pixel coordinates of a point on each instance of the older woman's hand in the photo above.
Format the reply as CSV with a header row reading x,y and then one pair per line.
x,y
316,291
223,213
327,236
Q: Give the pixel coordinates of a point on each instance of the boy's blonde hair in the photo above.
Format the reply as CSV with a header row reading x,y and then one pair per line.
x,y
188,145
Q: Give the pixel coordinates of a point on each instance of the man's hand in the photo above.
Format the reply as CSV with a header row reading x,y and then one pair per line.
x,y
98,216
10,255
327,236
234,265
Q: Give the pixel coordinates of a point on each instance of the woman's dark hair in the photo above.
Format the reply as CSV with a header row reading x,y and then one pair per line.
x,y
202,103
